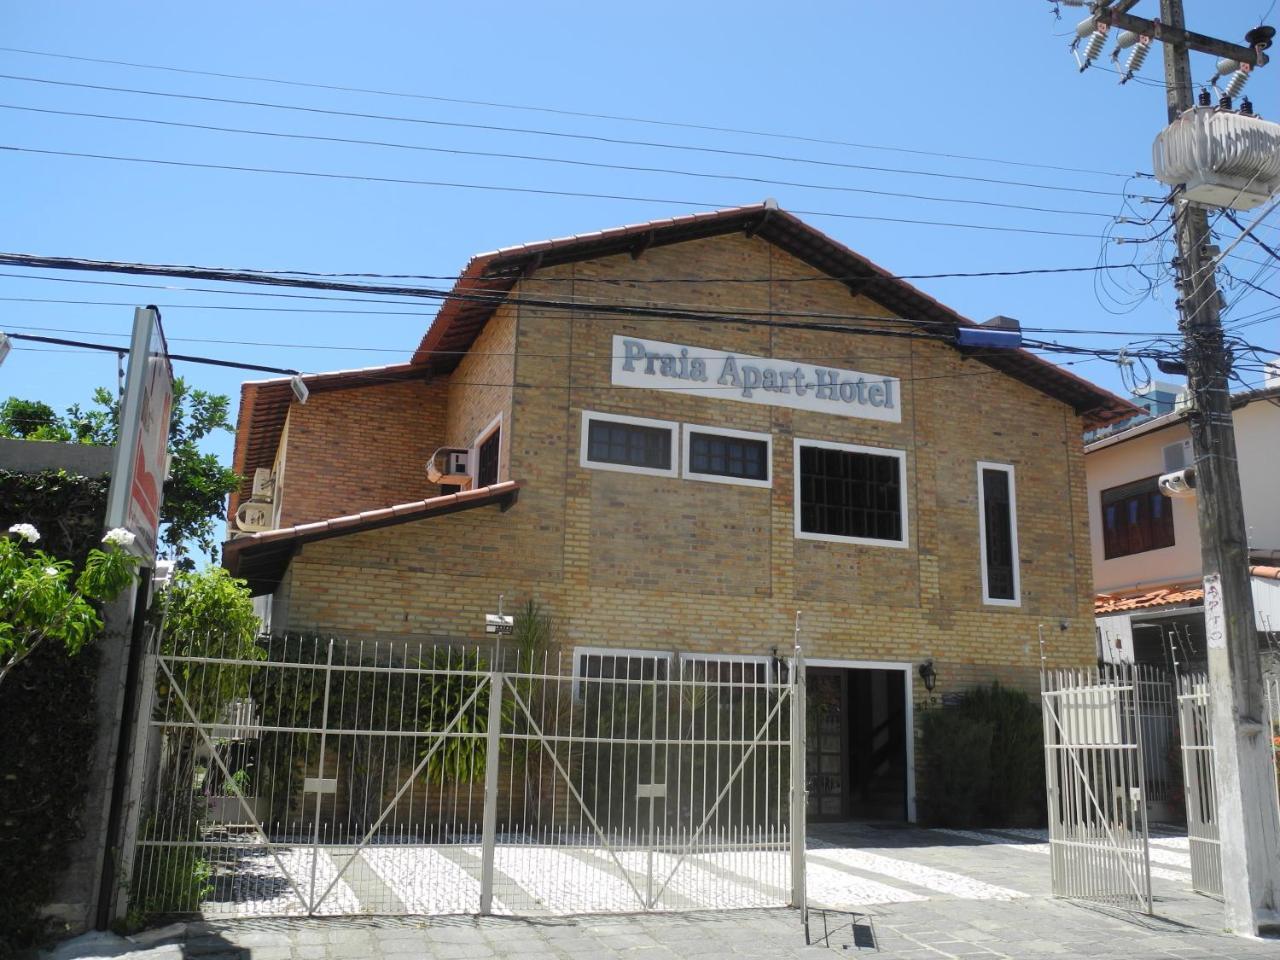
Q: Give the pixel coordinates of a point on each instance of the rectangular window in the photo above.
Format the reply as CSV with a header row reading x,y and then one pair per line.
x,y
595,667
1136,518
998,534
487,459
850,494
628,444
727,456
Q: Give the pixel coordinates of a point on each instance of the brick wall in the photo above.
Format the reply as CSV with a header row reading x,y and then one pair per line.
x,y
480,387
673,564
360,449
653,562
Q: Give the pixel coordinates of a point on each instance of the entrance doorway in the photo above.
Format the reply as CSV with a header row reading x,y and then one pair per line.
x,y
857,764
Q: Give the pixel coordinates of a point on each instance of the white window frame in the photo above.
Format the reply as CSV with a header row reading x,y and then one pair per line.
x,y
764,659
587,464
631,652
901,456
1013,535
473,454
687,474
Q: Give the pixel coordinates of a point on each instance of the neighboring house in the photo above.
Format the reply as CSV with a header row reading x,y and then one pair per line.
x,y
674,489
1146,546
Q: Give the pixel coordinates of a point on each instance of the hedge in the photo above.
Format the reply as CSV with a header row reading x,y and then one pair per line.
x,y
47,721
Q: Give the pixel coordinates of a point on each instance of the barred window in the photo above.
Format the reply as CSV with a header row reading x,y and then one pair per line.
x,y
850,493
731,456
629,444
998,530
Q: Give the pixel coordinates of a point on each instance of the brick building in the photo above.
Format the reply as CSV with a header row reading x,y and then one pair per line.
x,y
679,434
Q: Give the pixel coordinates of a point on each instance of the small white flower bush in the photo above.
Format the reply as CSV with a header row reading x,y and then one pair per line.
x,y
119,537
43,598
25,531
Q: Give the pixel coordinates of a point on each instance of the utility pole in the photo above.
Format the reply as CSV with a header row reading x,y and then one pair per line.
x,y
1248,827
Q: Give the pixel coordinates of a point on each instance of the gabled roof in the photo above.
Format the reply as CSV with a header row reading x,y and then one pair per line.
x,y
262,558
490,276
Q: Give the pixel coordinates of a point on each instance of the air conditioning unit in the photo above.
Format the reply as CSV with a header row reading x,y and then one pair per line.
x,y
1178,456
450,466
264,484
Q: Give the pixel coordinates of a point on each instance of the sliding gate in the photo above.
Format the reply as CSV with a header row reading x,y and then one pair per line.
x,y
348,778
1095,787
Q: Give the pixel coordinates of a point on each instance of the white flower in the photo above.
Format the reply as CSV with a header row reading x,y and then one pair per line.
x,y
119,537
25,531
50,571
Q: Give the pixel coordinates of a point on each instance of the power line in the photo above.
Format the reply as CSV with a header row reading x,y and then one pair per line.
x,y
826,358
566,113
373,377
397,313
478,296
781,281
633,312
631,168
525,190
529,131
540,191
118,349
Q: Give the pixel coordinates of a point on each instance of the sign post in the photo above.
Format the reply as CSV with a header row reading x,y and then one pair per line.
x,y
133,502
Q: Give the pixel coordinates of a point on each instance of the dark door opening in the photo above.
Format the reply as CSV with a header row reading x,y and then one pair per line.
x,y
856,765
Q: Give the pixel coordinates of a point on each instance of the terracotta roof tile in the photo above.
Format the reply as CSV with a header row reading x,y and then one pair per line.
x,y
1191,592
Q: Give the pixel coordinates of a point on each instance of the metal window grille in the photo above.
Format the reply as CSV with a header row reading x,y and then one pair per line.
x,y
998,513
723,456
487,467
848,493
629,444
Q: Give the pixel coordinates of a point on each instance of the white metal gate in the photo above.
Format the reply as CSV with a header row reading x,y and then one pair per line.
x,y
1198,765
1195,726
360,778
1094,778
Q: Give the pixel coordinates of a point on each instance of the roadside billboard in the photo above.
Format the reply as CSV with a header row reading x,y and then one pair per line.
x,y
137,479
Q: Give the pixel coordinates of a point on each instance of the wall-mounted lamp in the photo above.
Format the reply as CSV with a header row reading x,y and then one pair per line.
x,y
928,675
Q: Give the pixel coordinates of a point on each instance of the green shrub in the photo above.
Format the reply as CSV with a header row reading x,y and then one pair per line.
x,y
1016,789
983,760
956,756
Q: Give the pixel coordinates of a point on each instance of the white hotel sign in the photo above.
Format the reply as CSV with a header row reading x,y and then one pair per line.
x,y
702,372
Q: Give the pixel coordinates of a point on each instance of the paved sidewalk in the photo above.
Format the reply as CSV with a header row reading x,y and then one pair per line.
x,y
1027,928
891,892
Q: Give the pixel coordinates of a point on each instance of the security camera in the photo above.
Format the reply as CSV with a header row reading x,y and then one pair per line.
x,y
1179,484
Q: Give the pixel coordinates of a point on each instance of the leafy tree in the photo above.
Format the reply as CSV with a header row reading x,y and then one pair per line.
x,y
195,494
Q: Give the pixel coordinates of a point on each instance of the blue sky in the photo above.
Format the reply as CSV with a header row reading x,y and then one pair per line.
x,y
993,80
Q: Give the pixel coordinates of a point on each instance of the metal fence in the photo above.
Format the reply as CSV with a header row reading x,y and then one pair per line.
x,y
1094,774
1196,725
1155,705
321,777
